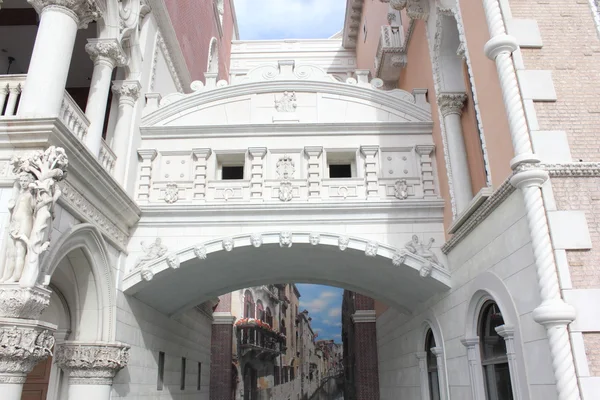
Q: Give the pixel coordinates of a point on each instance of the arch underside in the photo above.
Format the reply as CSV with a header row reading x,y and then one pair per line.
x,y
173,290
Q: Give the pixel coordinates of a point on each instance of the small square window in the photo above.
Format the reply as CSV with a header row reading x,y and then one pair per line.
x,y
232,172
161,371
199,387
340,171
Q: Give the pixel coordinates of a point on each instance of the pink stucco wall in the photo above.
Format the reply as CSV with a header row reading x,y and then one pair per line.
x,y
195,25
374,16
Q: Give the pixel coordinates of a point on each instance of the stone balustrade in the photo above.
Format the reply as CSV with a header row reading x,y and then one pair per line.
x,y
107,157
10,90
72,116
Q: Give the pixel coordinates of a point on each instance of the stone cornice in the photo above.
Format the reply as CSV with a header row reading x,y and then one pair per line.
x,y
352,23
302,129
104,197
223,318
479,215
108,49
82,11
364,316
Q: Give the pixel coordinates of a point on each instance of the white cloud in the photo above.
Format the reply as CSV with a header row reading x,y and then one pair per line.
x,y
332,323
320,303
338,336
335,312
289,19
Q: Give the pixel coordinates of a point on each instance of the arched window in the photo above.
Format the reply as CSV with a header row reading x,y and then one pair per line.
x,y
260,311
494,360
432,367
248,305
269,317
213,57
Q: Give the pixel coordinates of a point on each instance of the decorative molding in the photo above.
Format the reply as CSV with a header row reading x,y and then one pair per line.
x,y
23,344
479,215
91,214
398,258
371,249
352,23
223,318
128,91
171,193
575,170
26,303
200,252
106,49
173,261
401,189
256,240
285,239
314,238
91,363
82,11
169,61
152,252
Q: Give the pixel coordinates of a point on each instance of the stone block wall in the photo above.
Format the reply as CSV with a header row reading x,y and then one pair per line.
x,y
149,332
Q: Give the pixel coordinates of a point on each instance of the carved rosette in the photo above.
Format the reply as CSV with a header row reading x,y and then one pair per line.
x,y
82,11
26,303
106,49
90,363
22,346
451,103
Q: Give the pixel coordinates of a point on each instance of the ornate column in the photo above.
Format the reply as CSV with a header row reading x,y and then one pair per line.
x,y
424,378
127,92
51,57
24,340
200,157
314,172
145,177
553,313
508,333
14,90
451,105
91,367
371,171
257,155
106,55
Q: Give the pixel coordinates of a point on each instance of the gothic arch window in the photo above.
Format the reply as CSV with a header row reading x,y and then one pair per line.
x,y
432,367
269,317
248,305
213,57
494,359
260,310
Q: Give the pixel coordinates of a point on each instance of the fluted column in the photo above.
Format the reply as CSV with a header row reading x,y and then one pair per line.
x,y
127,93
91,367
451,105
553,313
51,57
106,55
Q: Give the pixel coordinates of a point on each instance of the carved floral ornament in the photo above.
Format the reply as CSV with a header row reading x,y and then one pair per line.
x,y
109,49
31,210
82,11
92,364
415,247
21,348
415,9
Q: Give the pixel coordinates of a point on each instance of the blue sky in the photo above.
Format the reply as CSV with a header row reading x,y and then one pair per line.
x,y
289,19
324,304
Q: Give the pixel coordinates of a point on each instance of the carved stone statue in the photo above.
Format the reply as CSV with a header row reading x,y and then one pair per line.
x,y
256,240
153,251
285,239
415,246
31,213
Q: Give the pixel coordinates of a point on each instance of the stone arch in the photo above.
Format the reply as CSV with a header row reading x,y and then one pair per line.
x,y
212,63
77,265
218,266
430,321
488,286
447,47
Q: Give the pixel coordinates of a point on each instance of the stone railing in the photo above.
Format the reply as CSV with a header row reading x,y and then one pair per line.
x,y
72,116
10,89
107,158
391,53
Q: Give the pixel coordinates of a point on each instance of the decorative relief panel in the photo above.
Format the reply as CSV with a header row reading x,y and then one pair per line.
x,y
398,163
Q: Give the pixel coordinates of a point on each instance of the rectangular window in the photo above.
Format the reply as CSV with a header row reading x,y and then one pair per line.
x,y
161,371
182,384
341,165
233,172
340,171
276,375
199,376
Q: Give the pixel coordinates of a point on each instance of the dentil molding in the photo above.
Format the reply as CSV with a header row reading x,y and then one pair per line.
x,y
92,363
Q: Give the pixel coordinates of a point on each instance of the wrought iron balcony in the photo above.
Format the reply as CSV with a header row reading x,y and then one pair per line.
x,y
260,340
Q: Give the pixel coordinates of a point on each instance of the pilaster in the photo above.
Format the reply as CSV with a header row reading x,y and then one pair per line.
x,y
257,155
425,153
200,159
473,357
314,171
508,333
424,378
371,171
145,174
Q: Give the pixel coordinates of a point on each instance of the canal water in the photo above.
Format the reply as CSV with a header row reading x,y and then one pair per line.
x,y
330,391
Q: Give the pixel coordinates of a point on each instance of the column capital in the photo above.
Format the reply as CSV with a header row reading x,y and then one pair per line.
x,y
128,91
437,351
23,344
424,149
107,50
82,11
451,102
92,363
26,303
470,342
506,331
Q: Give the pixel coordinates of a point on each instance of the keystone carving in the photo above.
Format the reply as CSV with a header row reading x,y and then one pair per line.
x,y
153,251
228,244
21,348
31,213
92,364
314,239
343,242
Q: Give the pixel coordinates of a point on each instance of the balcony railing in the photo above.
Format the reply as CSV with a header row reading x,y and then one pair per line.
x,y
263,342
391,53
70,114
